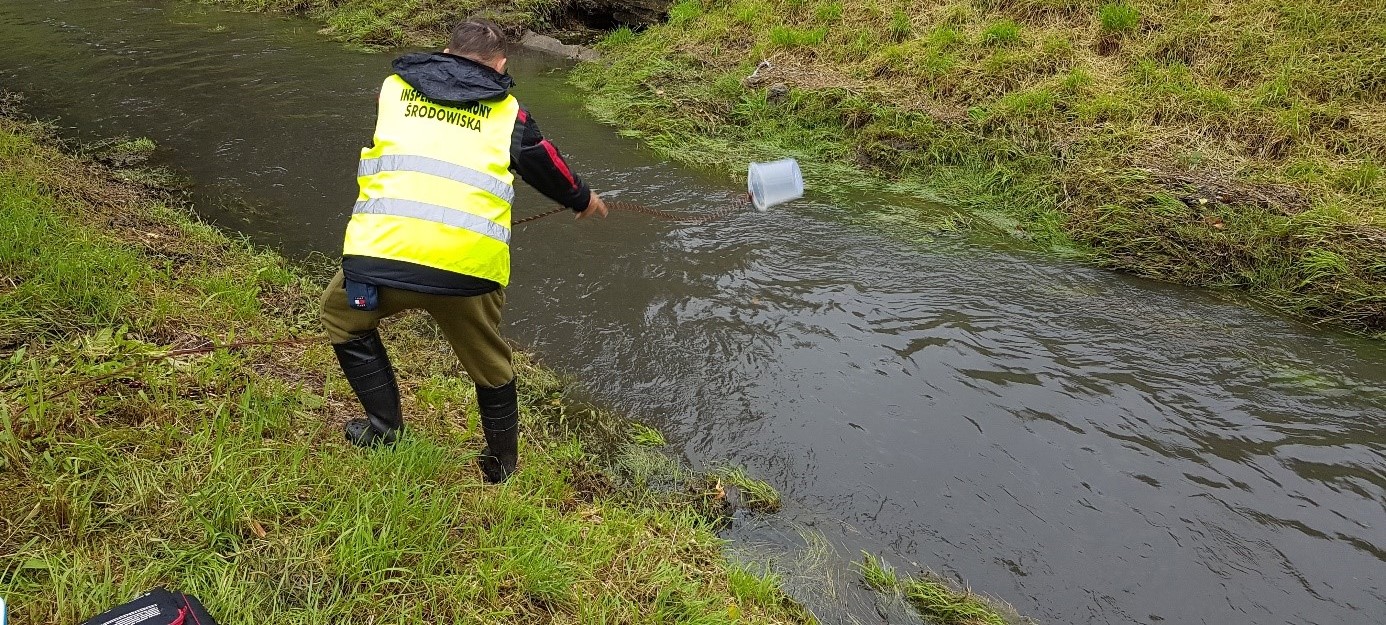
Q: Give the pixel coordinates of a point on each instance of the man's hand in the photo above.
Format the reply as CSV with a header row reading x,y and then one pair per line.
x,y
595,206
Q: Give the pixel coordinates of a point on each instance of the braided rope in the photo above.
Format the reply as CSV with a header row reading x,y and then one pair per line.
x,y
539,216
740,205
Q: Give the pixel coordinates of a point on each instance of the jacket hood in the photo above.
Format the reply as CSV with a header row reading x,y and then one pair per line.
x,y
452,79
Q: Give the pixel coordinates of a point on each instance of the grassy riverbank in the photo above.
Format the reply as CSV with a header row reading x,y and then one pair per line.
x,y
1223,144
222,472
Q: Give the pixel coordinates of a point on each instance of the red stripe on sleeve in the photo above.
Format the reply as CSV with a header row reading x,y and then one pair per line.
x,y
524,117
558,162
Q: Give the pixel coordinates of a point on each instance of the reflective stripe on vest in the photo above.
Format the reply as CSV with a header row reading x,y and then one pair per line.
x,y
433,212
435,167
436,186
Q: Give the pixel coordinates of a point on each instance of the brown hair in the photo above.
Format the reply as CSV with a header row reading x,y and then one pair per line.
x,y
477,39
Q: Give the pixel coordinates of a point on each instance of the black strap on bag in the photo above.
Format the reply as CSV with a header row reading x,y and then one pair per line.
x,y
156,607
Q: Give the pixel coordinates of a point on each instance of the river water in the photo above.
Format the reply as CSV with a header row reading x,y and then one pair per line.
x,y
1091,447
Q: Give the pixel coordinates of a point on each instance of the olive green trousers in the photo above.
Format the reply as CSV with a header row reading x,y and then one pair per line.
x,y
470,324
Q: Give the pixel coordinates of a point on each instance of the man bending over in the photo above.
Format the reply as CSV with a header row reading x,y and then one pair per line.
x,y
431,230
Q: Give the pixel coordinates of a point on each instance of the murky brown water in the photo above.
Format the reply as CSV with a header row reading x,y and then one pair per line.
x,y
1093,448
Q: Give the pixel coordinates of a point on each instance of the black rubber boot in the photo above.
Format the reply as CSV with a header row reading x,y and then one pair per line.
x,y
367,368
500,421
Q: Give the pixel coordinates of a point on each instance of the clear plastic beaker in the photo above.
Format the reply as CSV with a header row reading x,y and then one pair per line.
x,y
775,182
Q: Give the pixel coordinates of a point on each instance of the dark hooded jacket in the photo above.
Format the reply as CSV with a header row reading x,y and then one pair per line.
x,y
453,80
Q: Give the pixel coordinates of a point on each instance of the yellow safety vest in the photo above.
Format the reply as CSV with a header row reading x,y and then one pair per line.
x,y
436,187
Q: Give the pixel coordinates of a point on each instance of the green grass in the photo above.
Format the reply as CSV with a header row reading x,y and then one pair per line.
x,y
685,11
787,37
647,436
1118,17
828,12
1002,33
224,473
900,26
754,494
935,598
